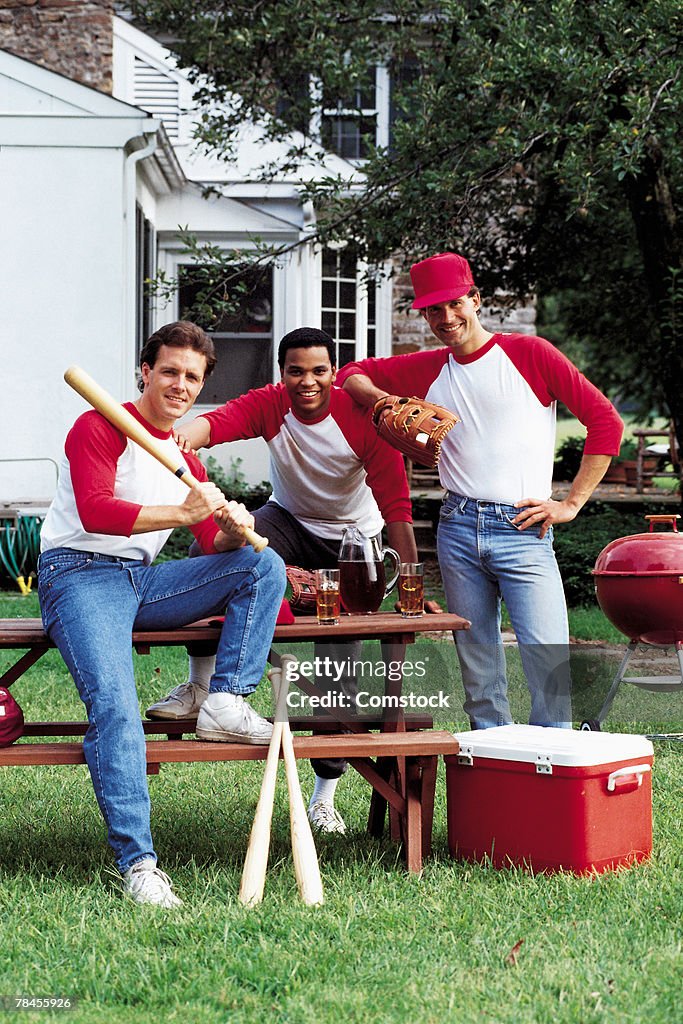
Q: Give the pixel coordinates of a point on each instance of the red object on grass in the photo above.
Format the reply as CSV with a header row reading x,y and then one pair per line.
x,y
11,718
550,799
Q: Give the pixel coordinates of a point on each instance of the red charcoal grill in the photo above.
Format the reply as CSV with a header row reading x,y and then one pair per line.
x,y
639,586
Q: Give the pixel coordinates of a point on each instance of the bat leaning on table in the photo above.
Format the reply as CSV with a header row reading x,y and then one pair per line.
x,y
306,867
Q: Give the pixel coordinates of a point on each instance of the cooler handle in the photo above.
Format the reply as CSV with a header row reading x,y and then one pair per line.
x,y
631,773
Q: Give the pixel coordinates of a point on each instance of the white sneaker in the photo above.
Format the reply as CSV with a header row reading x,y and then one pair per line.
x,y
324,817
145,883
182,702
228,718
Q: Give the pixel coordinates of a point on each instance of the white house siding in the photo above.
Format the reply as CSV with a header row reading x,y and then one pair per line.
x,y
65,259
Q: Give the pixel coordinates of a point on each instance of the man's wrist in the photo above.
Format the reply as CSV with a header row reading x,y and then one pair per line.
x,y
575,502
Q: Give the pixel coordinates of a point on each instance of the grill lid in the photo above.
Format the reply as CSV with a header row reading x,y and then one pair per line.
x,y
644,554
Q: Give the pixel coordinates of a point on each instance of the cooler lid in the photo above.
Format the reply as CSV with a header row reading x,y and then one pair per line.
x,y
560,746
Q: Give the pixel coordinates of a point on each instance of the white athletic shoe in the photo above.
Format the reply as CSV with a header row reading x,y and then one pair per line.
x,y
145,883
182,702
228,718
324,817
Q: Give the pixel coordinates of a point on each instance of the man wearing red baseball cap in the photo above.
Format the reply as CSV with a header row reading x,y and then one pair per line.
x,y
494,539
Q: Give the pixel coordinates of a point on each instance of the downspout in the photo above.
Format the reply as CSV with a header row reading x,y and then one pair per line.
x,y
129,289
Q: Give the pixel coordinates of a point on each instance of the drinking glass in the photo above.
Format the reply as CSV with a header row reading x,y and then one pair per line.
x,y
411,589
327,596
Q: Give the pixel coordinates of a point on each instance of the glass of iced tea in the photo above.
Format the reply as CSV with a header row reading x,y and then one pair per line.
x,y
327,596
411,592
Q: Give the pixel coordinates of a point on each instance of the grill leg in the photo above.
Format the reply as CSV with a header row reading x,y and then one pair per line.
x,y
679,655
616,682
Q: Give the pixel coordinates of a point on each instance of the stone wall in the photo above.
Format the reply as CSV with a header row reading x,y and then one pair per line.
x,y
72,37
410,332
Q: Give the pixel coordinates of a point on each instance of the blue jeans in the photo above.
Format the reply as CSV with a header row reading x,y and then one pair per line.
x,y
90,604
485,559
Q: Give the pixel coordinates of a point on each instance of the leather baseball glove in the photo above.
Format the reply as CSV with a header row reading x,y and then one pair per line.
x,y
414,426
302,583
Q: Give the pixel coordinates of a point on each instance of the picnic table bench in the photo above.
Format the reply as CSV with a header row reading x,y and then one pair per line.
x,y
399,761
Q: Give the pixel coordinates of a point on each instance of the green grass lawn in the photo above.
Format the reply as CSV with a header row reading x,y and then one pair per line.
x,y
385,947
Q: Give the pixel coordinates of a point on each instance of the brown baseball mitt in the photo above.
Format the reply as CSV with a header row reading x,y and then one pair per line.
x,y
413,425
302,583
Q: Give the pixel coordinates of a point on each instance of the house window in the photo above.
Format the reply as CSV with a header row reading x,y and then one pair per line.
x,y
145,268
339,312
402,103
243,339
350,304
348,125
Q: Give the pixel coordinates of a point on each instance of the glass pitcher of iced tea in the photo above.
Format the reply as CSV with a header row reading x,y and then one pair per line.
x,y
362,579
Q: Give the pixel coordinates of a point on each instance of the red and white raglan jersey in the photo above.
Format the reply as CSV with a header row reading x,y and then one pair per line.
x,y
505,394
330,473
104,480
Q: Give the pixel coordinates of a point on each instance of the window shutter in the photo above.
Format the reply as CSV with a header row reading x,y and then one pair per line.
x,y
157,93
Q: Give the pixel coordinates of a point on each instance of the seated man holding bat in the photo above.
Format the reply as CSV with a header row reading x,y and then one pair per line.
x,y
329,470
115,507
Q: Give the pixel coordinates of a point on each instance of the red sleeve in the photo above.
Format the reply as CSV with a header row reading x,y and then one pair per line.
x,y
259,413
552,377
412,374
93,448
384,466
206,531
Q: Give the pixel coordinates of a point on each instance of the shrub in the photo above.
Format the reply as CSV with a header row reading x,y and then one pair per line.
x,y
234,486
578,544
628,450
568,458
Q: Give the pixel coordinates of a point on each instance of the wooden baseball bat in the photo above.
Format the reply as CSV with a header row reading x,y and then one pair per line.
x,y
256,861
306,867
124,421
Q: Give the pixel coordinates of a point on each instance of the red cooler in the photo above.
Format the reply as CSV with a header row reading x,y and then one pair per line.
x,y
550,799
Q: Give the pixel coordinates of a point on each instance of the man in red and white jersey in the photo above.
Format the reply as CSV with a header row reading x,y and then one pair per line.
x,y
495,533
114,509
329,470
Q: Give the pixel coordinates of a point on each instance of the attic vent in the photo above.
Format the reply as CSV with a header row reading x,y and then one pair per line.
x,y
157,93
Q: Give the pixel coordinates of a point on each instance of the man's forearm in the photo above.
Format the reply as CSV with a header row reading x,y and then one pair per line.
x,y
402,538
198,432
591,472
161,517
362,390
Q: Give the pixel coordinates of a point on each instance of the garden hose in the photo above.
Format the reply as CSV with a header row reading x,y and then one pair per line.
x,y
20,548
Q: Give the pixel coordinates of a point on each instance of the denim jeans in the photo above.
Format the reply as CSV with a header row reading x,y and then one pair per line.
x,y
485,559
90,604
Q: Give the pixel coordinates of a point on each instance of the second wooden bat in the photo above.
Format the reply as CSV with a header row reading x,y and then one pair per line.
x,y
256,860
119,417
306,867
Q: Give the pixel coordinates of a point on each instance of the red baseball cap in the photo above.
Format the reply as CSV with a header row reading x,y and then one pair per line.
x,y
440,278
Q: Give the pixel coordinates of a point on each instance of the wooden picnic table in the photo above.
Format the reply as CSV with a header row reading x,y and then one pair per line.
x,y
399,761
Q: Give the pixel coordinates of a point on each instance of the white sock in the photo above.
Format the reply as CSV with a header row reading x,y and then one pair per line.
x,y
324,790
201,670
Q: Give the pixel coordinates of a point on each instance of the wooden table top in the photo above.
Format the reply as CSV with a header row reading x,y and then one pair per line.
x,y
378,625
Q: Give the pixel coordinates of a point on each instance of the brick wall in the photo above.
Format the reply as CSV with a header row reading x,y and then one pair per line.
x,y
72,37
